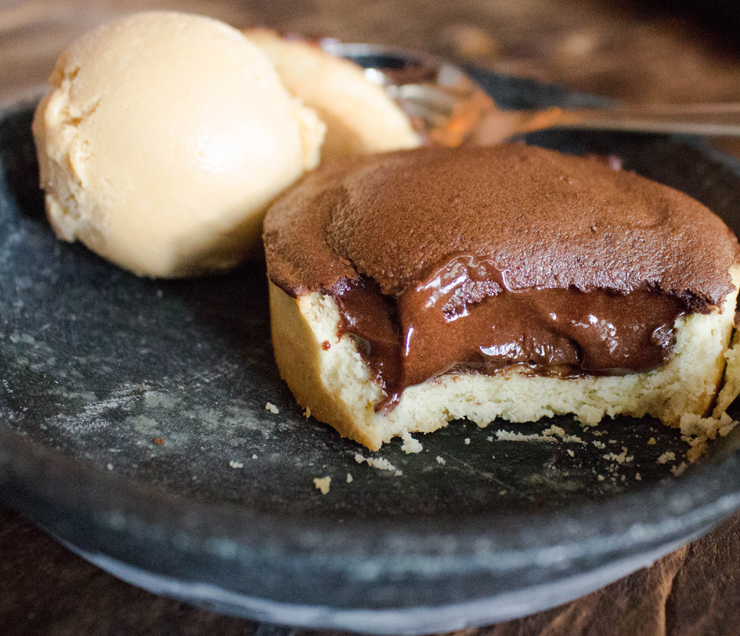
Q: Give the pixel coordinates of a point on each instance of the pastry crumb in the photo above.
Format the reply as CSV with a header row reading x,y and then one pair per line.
x,y
272,408
254,456
571,453
509,436
697,430
467,441
652,441
158,440
599,445
323,484
410,444
556,431
441,460
678,470
502,492
378,462
490,438
708,427
307,413
638,477
233,464
668,456
550,434
622,458
349,478
698,446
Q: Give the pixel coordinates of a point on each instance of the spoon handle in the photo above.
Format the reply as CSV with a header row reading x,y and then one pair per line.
x,y
695,119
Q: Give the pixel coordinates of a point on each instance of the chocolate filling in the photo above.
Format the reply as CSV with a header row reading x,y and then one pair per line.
x,y
465,317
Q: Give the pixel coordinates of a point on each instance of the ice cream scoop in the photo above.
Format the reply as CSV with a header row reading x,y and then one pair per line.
x,y
360,116
162,139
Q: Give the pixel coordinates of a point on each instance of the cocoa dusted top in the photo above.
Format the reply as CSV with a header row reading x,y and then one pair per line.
x,y
545,219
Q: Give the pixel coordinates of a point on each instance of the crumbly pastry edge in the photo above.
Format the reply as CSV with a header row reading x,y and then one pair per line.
x,y
327,374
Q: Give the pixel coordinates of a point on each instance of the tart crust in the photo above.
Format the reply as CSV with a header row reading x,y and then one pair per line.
x,y
328,375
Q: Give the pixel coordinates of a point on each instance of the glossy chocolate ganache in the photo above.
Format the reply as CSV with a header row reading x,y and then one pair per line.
x,y
479,259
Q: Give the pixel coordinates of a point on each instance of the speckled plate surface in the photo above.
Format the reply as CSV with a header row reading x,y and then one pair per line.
x,y
96,364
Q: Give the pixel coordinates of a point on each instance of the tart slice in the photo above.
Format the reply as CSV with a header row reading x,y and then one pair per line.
x,y
416,287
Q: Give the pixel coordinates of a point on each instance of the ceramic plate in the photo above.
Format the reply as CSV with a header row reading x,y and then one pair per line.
x,y
134,427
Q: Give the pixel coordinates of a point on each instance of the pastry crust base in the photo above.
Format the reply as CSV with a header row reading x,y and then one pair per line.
x,y
327,374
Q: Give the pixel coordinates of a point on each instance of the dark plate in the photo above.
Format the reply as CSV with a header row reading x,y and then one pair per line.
x,y
96,363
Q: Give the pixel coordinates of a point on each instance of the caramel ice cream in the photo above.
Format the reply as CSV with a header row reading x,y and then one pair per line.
x,y
360,117
162,139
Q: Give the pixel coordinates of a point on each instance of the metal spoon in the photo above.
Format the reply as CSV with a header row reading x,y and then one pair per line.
x,y
452,109
443,101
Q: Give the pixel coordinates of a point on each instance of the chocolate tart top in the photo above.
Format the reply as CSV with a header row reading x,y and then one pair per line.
x,y
546,220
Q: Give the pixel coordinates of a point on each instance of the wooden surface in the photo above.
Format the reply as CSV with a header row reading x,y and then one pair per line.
x,y
45,589
599,46
615,48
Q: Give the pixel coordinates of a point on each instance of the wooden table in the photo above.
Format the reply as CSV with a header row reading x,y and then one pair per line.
x,y
600,46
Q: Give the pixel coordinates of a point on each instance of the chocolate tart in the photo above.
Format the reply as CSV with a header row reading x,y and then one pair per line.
x,y
422,286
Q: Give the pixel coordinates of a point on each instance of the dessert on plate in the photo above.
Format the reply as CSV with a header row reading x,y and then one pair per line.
x,y
407,288
416,287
